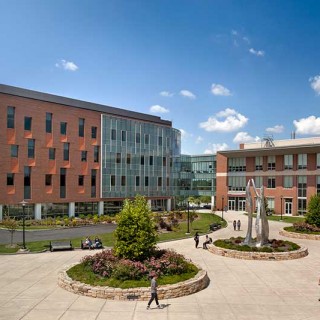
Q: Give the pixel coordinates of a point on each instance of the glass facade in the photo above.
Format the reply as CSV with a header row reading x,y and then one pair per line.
x,y
121,141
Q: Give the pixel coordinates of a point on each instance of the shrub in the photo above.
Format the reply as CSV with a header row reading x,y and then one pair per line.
x,y
305,227
313,215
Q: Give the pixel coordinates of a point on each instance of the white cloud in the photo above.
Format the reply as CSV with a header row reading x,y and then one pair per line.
x,y
275,129
232,121
246,39
258,53
166,94
199,140
187,94
220,90
158,109
67,65
310,125
234,32
185,135
315,83
214,147
243,137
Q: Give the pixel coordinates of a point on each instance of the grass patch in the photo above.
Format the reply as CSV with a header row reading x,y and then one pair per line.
x,y
293,229
85,275
4,248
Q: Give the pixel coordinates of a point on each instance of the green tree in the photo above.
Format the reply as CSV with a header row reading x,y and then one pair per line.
x,y
313,215
11,225
135,235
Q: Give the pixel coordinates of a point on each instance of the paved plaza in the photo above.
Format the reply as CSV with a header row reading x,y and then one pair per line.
x,y
239,289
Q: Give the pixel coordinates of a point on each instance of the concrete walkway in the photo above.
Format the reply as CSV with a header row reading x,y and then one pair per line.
x,y
239,289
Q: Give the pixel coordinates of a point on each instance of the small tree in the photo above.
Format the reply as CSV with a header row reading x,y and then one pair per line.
x,y
11,225
135,234
313,215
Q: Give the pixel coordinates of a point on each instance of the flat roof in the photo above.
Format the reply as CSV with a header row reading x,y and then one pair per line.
x,y
30,94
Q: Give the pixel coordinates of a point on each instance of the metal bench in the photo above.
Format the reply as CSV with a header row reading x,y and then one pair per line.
x,y
60,245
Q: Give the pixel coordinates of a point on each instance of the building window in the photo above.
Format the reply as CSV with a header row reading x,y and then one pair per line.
x,y
52,153
302,161
236,183
160,141
14,151
81,127
271,163
123,181
288,162
146,181
151,160
31,148
66,147
302,186
93,183
142,160
270,202
48,122
118,157
287,181
27,123
63,182
237,164
81,181
128,158
83,156
258,182
113,180
94,132
318,160
302,206
113,134
48,180
318,184
10,117
138,137
137,181
259,163
27,183
146,138
10,179
96,150
123,136
271,182
159,181
164,161
63,128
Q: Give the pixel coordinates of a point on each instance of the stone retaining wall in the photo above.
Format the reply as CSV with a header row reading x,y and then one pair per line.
x,y
199,282
299,235
272,256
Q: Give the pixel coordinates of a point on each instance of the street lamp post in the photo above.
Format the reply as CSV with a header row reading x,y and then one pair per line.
x,y
188,225
281,210
23,203
222,208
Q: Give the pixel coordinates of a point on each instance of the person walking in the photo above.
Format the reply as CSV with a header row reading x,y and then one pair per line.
x,y
319,285
196,239
239,225
154,293
234,225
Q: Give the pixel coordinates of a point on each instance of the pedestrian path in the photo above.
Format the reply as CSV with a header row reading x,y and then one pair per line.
x,y
238,290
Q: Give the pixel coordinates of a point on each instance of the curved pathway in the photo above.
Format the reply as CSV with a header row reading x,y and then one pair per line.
x,y
239,289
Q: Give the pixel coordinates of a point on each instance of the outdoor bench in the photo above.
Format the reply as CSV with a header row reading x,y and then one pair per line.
x,y
60,245
215,226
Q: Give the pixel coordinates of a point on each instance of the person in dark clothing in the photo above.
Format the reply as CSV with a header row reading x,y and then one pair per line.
x,y
239,225
196,239
154,293
234,225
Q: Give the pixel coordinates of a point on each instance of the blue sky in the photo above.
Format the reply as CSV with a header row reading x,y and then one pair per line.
x,y
224,72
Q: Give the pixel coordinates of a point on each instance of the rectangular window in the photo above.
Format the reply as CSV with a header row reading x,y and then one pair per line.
x,y
63,128
137,181
63,182
66,147
271,182
258,182
237,164
27,183
14,151
288,162
302,186
142,160
259,163
318,160
138,137
93,183
27,123
159,141
94,132
81,127
83,156
113,180
146,181
271,163
123,135
118,157
151,160
52,153
270,202
123,181
31,148
302,161
81,181
48,122
10,179
287,181
128,158
96,151
48,180
146,138
164,161
113,134
159,181
318,184
302,206
10,117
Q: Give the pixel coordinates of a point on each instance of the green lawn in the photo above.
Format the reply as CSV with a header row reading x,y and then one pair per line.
x,y
200,225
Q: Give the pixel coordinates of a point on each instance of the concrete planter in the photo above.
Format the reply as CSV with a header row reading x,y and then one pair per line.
x,y
299,235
